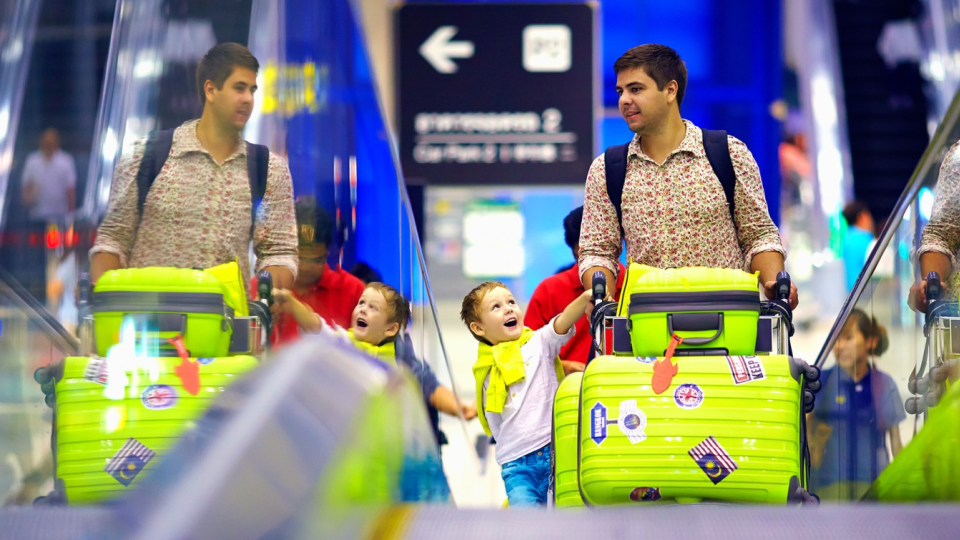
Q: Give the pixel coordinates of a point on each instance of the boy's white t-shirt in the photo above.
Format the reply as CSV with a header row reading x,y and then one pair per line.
x,y
527,417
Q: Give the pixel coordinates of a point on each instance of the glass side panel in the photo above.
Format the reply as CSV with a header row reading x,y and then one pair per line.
x,y
875,415
316,107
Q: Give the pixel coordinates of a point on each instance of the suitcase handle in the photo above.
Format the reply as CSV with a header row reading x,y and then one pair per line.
x,y
695,322
160,322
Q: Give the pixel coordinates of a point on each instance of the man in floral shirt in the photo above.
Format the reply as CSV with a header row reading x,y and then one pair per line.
x,y
675,212
198,210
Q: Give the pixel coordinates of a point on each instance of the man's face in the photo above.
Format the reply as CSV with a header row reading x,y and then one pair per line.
x,y
501,318
312,262
370,321
233,103
49,143
642,105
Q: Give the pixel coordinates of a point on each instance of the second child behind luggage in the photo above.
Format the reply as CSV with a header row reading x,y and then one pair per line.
x,y
517,374
378,319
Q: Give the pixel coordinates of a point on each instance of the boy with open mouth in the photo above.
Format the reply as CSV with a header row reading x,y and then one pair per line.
x,y
517,373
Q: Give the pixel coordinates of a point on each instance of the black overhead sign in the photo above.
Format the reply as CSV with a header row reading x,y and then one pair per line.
x,y
496,93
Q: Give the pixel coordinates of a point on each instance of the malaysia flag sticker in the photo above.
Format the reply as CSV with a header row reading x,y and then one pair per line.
x,y
713,460
127,463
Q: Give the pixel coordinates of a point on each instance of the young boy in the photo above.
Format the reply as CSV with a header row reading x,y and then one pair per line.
x,y
517,373
378,318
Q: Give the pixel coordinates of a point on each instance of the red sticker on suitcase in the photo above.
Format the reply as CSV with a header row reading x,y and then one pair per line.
x,y
746,369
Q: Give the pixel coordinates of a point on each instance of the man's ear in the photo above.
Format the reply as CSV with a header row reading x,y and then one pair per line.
x,y
392,329
208,88
672,88
477,329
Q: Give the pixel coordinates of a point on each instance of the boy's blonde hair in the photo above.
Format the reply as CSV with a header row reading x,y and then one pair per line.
x,y
470,310
398,310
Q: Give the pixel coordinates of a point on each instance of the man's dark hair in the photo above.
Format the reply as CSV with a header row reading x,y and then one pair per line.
x,y
853,210
219,63
661,63
365,273
313,222
571,227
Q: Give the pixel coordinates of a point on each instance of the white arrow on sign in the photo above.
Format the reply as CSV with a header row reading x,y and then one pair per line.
x,y
438,49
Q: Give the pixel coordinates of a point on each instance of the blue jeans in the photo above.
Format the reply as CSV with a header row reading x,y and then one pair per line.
x,y
527,478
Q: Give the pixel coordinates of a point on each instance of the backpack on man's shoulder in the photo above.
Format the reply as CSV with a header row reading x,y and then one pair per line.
x,y
718,153
158,149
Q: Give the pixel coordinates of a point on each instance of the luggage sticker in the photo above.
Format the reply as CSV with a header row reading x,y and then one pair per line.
x,y
598,423
645,359
643,494
158,396
746,369
688,396
205,360
713,460
127,463
96,370
632,421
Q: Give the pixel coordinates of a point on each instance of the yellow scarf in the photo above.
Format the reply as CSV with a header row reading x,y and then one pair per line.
x,y
504,363
385,352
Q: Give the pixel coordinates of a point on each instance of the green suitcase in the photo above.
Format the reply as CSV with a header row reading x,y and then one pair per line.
x,y
162,303
566,415
726,429
714,310
117,417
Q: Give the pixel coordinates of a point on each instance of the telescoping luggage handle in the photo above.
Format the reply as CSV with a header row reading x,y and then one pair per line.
x,y
695,322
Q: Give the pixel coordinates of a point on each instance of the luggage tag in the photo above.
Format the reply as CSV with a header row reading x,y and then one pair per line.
x,y
189,372
664,369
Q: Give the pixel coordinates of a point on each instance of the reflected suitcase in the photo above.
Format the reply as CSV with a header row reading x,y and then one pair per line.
x,y
162,303
714,310
116,418
566,415
726,429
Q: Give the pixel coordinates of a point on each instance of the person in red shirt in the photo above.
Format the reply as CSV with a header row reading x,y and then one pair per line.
x,y
331,292
557,291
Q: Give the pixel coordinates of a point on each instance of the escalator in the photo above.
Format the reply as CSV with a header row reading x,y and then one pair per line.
x,y
898,423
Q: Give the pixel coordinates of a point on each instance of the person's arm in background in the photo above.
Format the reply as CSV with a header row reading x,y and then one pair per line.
x,y
443,399
275,230
758,236
28,189
71,188
895,443
118,231
600,238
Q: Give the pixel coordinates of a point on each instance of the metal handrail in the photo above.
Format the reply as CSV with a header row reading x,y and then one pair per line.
x,y
12,290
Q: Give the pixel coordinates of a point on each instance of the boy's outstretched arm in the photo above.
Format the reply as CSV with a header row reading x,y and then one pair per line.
x,y
305,317
445,402
572,313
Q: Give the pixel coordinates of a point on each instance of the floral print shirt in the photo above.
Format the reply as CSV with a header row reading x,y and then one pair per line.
x,y
942,234
197,213
675,214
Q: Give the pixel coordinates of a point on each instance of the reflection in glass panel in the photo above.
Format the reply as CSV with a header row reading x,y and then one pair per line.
x,y
887,406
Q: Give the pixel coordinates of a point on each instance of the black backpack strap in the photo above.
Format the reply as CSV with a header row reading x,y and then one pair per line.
x,y
718,154
154,156
258,163
615,161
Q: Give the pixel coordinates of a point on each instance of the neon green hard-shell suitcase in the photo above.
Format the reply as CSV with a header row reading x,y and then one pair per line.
x,y
116,421
726,429
566,415
714,310
163,302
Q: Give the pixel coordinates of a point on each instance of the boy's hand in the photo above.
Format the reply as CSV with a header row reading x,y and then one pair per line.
x,y
283,299
572,313
468,409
